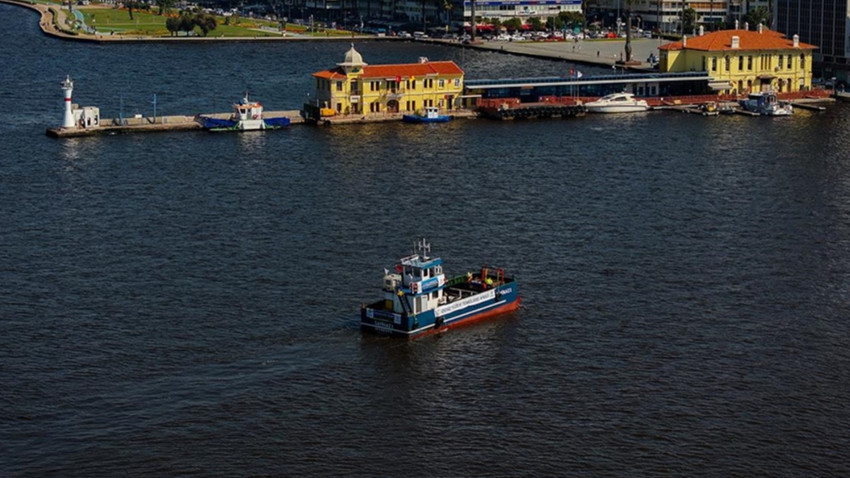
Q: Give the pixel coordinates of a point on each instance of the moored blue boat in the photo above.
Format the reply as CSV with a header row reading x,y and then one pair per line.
x,y
420,300
431,115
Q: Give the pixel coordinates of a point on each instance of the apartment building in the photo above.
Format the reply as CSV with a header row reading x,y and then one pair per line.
x,y
825,23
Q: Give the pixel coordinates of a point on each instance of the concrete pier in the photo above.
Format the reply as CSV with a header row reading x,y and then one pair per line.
x,y
155,125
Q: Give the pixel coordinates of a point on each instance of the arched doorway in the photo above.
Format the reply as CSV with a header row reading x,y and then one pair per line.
x,y
392,106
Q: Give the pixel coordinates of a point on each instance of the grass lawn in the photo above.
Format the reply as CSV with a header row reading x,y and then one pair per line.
x,y
107,20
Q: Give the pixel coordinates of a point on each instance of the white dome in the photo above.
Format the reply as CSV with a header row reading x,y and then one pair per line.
x,y
352,59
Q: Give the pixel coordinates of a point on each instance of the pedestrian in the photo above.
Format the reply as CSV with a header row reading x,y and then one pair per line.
x,y
597,53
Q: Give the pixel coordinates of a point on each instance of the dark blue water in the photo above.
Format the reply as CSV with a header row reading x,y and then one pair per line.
x,y
186,304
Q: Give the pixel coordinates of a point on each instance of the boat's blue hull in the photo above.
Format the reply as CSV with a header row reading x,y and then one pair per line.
x,y
423,119
485,304
216,124
274,123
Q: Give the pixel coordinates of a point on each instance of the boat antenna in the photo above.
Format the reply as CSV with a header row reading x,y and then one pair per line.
x,y
423,247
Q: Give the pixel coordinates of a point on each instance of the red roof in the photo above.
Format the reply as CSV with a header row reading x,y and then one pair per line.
x,y
403,70
334,74
748,40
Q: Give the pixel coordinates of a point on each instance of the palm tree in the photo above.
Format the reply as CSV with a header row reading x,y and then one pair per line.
x,y
472,22
629,30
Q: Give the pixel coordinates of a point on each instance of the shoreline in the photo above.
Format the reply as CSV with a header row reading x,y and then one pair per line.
x,y
606,51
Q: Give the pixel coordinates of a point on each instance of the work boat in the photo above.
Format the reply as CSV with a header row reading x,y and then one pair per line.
x,y
766,104
247,116
617,103
430,115
420,300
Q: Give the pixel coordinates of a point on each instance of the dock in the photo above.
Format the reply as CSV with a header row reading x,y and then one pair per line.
x,y
159,124
807,106
532,111
383,117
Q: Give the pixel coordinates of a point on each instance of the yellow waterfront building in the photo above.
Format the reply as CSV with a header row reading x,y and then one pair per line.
x,y
743,61
355,87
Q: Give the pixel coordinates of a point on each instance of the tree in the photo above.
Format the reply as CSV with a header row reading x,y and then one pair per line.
x,y
586,7
205,22
689,20
173,25
628,48
512,23
571,19
472,19
535,23
757,15
165,6
186,22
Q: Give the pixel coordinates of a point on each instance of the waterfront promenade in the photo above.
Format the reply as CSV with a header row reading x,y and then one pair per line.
x,y
594,52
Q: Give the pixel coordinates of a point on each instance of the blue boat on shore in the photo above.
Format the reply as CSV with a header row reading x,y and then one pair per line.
x,y
420,300
431,115
247,116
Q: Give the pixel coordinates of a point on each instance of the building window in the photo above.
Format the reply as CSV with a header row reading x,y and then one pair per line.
x,y
728,64
442,83
714,63
740,63
788,64
750,63
338,86
457,82
780,61
355,86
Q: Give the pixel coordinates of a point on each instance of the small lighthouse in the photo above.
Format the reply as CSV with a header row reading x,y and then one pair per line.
x,y
68,88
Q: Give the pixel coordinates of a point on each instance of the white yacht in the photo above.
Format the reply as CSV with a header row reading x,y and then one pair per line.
x,y
617,103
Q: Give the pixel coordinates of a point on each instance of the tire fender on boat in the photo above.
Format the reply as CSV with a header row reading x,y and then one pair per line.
x,y
438,323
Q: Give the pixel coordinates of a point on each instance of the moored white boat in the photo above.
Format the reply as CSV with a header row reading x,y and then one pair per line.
x,y
617,103
766,104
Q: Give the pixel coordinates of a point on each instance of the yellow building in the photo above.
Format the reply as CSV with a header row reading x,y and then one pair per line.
x,y
742,61
354,87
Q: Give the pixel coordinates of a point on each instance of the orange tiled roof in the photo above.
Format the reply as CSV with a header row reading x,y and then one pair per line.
x,y
332,74
412,69
404,70
748,40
